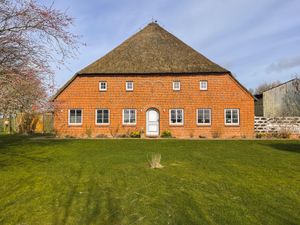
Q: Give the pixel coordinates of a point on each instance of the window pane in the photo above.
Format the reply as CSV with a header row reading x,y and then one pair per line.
x,y
207,116
72,116
179,116
103,85
105,114
78,116
203,85
235,116
228,116
200,116
99,116
132,116
176,85
173,116
129,85
126,116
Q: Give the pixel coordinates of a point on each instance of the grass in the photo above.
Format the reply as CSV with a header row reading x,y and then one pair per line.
x,y
48,181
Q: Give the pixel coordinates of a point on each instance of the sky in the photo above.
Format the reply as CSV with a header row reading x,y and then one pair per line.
x,y
258,41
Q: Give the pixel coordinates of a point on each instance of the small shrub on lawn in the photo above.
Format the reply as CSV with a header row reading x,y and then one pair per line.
x,y
216,134
284,133
101,136
154,161
135,134
166,134
201,136
88,132
69,136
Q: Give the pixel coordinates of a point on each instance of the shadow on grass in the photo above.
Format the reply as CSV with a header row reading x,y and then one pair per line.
x,y
282,146
19,149
88,204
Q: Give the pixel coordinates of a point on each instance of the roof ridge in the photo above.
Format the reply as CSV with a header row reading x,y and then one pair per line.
x,y
152,50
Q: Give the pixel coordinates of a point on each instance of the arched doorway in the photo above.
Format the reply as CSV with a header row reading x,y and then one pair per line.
x,y
152,122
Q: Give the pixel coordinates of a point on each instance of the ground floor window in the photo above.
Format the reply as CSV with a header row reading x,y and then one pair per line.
x,y
102,116
75,116
129,116
176,116
204,116
232,116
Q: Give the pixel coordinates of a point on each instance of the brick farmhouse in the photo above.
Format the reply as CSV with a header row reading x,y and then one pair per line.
x,y
153,82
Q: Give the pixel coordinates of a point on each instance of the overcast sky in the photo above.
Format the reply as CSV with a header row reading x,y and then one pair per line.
x,y
257,41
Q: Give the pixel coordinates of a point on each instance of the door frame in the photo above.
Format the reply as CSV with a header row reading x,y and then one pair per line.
x,y
154,109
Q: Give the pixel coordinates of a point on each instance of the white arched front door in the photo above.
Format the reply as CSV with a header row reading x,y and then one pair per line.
x,y
152,122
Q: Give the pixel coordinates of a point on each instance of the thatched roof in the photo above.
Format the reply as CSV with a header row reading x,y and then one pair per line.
x,y
152,50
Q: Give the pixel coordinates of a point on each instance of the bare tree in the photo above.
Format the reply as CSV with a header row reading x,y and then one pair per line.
x,y
32,37
266,86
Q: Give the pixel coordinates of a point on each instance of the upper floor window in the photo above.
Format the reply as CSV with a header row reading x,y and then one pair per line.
x,y
204,116
129,85
75,117
102,86
176,85
176,116
203,85
129,116
232,116
102,116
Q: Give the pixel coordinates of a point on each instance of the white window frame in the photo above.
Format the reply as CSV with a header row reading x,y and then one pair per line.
x,y
176,124
135,116
102,89
127,88
96,114
174,85
74,124
238,113
197,114
200,85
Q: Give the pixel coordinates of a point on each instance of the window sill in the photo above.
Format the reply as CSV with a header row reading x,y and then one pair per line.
x,y
176,125
203,125
129,125
75,125
232,125
102,125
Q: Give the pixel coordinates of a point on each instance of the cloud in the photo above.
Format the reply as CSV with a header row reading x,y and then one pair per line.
x,y
284,64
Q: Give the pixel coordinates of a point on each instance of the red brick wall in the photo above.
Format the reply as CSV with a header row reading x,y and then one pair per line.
x,y
156,91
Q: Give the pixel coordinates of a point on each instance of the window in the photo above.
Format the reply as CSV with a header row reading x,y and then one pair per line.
x,y
129,116
203,116
176,85
203,85
75,117
232,116
102,85
129,85
176,116
102,116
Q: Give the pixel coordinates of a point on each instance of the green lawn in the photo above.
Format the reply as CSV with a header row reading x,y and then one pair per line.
x,y
108,182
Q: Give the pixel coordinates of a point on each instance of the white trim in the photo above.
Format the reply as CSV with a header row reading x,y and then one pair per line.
x,y
129,89
176,124
99,124
75,124
232,124
203,81
135,116
174,88
101,89
203,124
